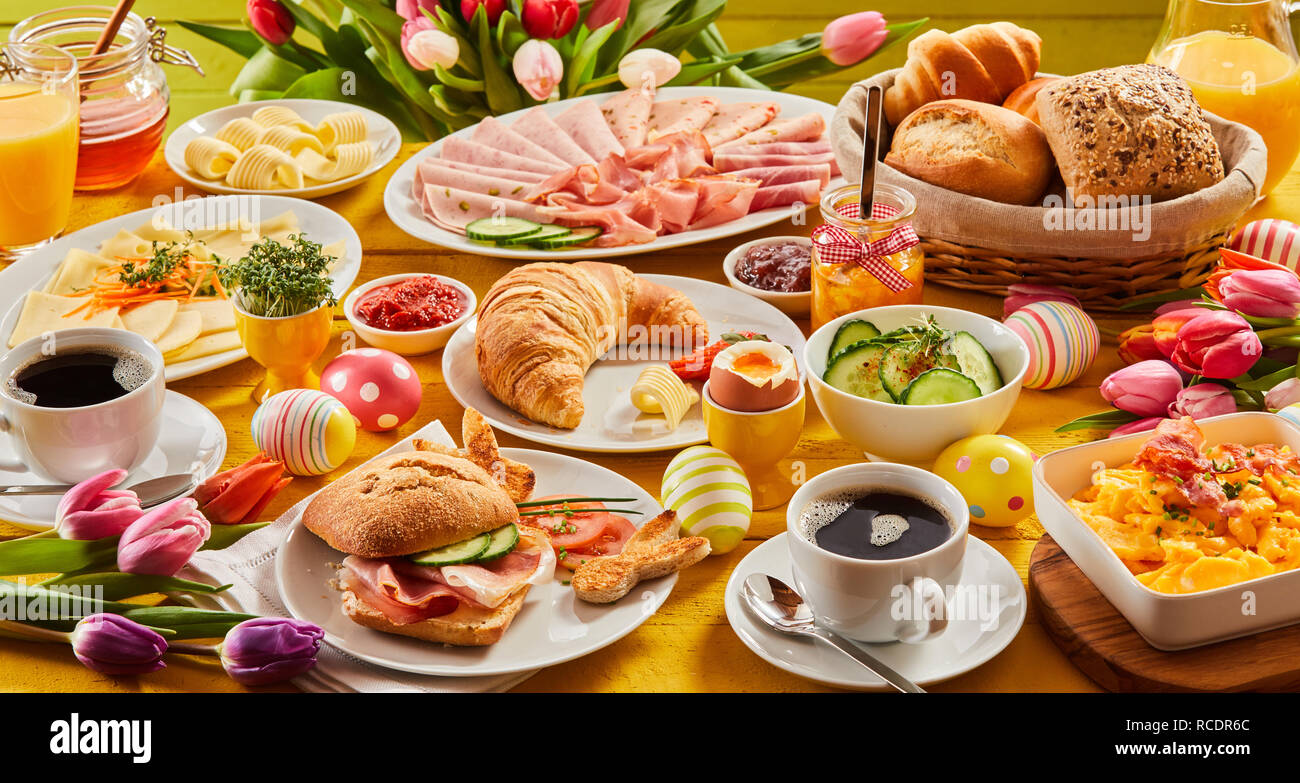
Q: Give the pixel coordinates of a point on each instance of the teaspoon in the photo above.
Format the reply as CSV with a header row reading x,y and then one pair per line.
x,y
151,492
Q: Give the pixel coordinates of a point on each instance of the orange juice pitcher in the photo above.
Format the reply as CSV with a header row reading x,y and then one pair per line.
x,y
1240,60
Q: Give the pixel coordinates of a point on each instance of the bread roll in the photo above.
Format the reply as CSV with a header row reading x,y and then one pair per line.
x,y
408,503
974,148
1135,130
1024,99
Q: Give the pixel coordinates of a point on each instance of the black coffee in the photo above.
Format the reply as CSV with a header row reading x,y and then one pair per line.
x,y
875,525
77,379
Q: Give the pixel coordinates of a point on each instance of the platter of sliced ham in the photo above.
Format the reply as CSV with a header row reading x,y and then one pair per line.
x,y
682,166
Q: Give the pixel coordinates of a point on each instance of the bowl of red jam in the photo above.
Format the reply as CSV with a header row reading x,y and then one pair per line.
x,y
411,313
777,270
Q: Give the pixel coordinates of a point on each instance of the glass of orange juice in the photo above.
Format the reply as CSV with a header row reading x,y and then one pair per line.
x,y
1240,60
39,107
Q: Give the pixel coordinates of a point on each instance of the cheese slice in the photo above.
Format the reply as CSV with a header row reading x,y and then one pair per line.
x,y
77,272
151,319
205,345
218,314
44,312
183,330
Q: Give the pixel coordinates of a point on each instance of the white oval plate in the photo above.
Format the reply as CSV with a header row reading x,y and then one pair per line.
x,y
552,627
320,224
192,441
380,132
965,645
610,423
405,211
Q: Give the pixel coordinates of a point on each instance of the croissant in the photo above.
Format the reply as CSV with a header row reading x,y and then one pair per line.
x,y
541,326
983,62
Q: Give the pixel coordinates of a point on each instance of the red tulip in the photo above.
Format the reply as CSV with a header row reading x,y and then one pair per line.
x,y
1217,344
239,496
1164,329
494,9
1138,344
549,18
605,11
271,20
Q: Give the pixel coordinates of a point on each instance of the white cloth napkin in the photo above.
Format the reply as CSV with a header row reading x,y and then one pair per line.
x,y
249,565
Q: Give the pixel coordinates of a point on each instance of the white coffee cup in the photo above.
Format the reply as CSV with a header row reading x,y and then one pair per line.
x,y
874,600
68,445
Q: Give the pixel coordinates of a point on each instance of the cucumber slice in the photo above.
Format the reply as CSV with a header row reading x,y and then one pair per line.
x,y
494,229
849,333
546,231
904,362
975,362
575,236
460,552
503,543
940,386
856,370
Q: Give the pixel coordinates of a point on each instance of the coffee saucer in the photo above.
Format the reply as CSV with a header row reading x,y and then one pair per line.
x,y
989,588
192,441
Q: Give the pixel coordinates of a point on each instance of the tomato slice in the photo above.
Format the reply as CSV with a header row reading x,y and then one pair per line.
x,y
574,530
610,542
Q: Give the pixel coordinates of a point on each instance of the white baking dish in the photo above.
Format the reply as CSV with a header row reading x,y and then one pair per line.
x,y
1167,622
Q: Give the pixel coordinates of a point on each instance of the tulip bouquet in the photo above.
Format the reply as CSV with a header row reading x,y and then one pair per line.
x,y
436,66
1233,349
106,552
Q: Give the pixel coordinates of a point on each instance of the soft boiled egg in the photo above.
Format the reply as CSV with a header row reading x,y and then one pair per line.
x,y
754,376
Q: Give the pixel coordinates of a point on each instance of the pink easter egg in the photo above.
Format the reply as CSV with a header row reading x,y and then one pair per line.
x,y
1272,240
379,388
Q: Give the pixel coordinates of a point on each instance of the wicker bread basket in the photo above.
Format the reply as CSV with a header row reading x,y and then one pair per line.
x,y
1106,257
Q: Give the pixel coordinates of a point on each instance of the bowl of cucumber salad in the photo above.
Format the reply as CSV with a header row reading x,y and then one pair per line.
x,y
904,382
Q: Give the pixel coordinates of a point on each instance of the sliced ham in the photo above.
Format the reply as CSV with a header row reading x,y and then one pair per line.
x,y
676,156
783,195
816,147
488,185
728,159
722,198
617,221
490,584
584,122
493,133
683,115
467,151
615,170
456,208
784,175
487,171
538,127
734,120
627,114
585,182
808,127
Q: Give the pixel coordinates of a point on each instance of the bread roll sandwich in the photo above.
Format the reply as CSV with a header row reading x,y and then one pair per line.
x,y
974,148
434,548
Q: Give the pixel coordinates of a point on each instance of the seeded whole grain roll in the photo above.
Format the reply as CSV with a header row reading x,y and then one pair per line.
x,y
1135,130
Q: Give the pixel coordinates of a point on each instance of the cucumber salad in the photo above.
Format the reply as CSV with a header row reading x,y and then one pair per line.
x,y
913,365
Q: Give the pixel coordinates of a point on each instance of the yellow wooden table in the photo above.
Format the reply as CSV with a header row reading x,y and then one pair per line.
x,y
687,645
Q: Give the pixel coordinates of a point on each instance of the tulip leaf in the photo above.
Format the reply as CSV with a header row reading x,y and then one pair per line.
x,y
241,41
456,82
511,34
386,20
308,21
399,73
499,88
1105,420
179,617
54,555
643,17
57,599
225,535
675,38
583,64
464,112
266,71
348,86
248,96
698,71
117,585
203,630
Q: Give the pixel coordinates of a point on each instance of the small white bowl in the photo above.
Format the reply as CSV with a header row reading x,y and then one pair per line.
x,y
797,305
1167,621
915,434
416,341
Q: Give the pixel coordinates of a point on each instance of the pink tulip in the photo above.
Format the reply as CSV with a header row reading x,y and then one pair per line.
x,y
90,510
1146,388
1202,401
1141,425
162,541
271,20
1022,294
851,39
1262,293
412,9
427,48
1216,344
1285,393
409,31
468,8
538,68
605,11
549,18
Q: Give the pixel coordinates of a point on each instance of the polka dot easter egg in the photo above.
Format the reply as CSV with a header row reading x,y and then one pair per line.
x,y
710,493
378,387
1272,240
1062,340
310,431
994,474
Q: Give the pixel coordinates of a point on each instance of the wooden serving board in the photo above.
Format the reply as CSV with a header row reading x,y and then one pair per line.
x,y
1096,638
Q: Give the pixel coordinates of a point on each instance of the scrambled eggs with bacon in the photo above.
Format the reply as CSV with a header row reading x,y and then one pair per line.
x,y
1185,519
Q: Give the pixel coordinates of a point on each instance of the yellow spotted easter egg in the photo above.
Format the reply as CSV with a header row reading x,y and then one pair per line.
x,y
310,431
994,473
1062,339
710,493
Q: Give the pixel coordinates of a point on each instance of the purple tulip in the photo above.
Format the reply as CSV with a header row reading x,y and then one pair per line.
x,y
1262,293
1285,393
271,20
1146,388
163,540
90,510
1202,401
1141,425
112,644
270,649
1218,344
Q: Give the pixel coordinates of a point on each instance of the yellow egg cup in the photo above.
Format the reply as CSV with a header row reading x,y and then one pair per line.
x,y
758,442
285,346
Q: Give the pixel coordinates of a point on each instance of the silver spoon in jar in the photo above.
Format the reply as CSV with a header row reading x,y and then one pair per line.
x,y
151,492
779,607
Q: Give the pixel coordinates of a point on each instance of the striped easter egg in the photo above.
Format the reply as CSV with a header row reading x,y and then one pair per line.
x,y
710,493
310,431
1062,340
1272,240
1291,413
